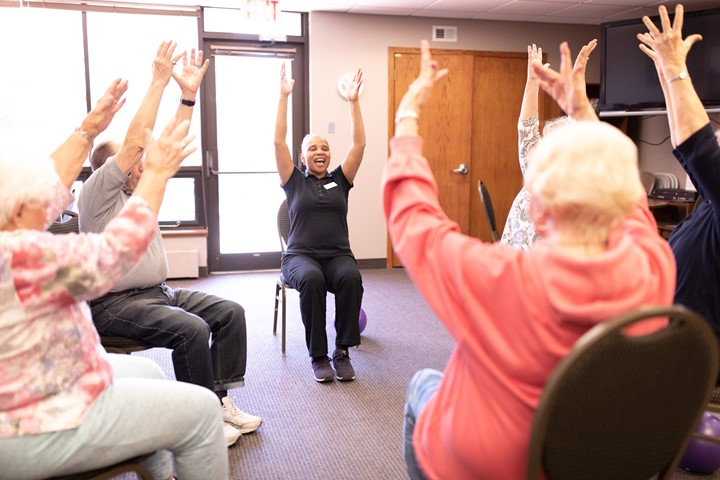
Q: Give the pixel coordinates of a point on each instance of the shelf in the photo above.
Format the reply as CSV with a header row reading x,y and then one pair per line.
x,y
642,113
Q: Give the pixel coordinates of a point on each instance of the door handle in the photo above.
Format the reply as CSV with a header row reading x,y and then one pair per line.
x,y
462,169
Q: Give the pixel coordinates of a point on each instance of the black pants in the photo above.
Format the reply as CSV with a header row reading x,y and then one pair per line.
x,y
207,334
313,278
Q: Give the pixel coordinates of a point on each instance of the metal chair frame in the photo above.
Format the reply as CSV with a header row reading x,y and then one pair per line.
x,y
283,225
489,210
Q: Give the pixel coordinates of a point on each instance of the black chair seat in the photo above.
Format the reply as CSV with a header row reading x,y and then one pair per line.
x,y
114,344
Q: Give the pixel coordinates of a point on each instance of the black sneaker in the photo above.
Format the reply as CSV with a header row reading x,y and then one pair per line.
x,y
322,370
343,368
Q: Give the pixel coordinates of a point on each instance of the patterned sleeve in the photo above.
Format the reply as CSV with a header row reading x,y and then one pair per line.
x,y
528,138
53,271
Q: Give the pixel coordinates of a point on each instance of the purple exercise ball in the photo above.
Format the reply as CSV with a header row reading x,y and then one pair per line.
x,y
702,456
362,320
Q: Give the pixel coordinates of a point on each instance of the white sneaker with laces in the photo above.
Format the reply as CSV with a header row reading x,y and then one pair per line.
x,y
231,434
242,421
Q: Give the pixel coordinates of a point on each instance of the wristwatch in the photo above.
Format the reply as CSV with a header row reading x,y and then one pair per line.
x,y
680,76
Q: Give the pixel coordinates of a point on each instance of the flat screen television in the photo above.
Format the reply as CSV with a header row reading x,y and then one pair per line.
x,y
628,80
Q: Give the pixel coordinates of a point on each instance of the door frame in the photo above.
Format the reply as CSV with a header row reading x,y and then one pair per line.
x,y
218,262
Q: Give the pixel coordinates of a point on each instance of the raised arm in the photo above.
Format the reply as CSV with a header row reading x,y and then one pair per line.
x,y
69,156
282,151
686,114
355,154
162,161
408,113
134,144
189,80
567,86
529,106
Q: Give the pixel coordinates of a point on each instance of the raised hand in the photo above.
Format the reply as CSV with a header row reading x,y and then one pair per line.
x,y
352,89
567,86
192,72
164,61
667,47
419,91
534,55
164,155
583,56
286,85
105,109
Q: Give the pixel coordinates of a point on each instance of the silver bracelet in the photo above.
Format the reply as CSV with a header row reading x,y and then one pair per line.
x,y
85,135
406,114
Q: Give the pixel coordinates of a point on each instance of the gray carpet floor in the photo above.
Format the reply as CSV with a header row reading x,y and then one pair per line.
x,y
340,430
332,431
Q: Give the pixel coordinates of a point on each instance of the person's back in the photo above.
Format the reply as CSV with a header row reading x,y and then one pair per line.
x,y
514,314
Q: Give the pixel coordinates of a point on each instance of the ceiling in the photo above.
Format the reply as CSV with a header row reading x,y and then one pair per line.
x,y
588,12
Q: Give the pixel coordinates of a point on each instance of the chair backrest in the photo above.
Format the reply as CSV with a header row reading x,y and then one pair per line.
x,y
68,223
283,225
624,406
489,211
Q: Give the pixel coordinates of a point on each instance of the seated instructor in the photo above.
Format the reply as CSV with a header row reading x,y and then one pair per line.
x,y
141,306
318,257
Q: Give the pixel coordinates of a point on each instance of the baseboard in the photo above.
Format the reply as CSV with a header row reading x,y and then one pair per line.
x,y
372,263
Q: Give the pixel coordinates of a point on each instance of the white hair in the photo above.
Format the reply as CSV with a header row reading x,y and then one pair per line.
x,y
24,179
585,177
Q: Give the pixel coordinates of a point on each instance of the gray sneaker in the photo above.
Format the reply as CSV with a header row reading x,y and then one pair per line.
x,y
344,370
322,370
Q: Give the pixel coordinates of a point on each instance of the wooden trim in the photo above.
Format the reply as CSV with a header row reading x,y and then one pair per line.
x,y
198,232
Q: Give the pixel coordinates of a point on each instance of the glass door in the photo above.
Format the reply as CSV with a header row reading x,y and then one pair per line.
x,y
244,193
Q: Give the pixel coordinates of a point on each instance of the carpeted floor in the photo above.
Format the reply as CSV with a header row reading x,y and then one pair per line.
x,y
315,431
333,431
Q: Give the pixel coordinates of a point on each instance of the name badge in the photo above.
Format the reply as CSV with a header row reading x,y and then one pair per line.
x,y
330,185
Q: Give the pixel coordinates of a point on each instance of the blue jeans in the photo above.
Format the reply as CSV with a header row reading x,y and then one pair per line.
x,y
421,388
206,333
313,278
139,413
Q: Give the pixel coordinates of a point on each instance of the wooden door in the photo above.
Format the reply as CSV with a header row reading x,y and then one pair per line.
x,y
471,119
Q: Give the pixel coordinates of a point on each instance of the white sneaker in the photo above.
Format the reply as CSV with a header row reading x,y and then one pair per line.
x,y
231,434
242,421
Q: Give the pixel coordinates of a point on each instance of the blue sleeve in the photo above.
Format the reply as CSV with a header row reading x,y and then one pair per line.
x,y
699,155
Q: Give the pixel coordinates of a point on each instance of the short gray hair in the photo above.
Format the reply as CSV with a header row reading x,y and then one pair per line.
x,y
306,141
24,179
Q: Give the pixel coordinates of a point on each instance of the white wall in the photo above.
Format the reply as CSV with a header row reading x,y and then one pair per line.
x,y
340,43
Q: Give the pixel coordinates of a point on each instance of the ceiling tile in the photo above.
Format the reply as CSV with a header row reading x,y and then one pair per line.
x,y
529,8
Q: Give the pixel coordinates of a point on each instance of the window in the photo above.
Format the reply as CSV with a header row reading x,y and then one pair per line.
x,y
43,91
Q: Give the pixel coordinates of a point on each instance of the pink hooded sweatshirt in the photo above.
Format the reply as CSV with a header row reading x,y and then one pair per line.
x,y
513,316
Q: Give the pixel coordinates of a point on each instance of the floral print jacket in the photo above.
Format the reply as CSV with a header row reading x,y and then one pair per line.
x,y
52,366
519,231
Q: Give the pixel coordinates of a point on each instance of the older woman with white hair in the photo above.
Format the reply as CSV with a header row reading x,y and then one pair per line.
x,y
66,405
515,314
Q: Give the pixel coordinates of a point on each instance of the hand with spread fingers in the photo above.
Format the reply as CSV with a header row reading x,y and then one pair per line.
x,y
567,86
190,76
667,47
352,91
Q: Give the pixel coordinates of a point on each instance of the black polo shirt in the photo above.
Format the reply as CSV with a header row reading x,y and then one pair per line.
x,y
318,213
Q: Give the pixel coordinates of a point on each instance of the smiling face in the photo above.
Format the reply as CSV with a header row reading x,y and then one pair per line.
x,y
316,155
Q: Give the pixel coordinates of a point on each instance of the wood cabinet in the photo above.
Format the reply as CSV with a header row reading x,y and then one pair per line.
x,y
668,214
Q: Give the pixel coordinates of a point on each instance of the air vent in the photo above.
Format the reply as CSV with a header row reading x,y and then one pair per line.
x,y
444,34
